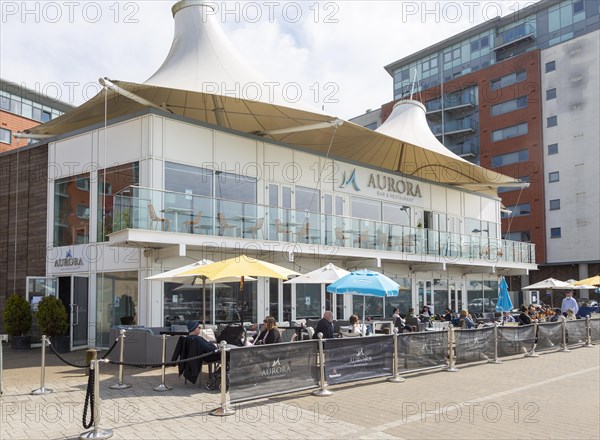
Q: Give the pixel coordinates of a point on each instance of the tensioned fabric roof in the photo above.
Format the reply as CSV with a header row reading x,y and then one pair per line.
x,y
202,68
350,142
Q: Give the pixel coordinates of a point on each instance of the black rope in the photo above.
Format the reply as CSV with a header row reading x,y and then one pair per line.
x,y
166,364
89,401
66,361
111,348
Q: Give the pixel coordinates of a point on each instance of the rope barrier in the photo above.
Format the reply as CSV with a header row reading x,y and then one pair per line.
x,y
112,347
166,364
66,361
89,401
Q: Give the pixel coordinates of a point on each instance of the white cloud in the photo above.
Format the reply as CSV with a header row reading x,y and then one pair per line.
x,y
336,50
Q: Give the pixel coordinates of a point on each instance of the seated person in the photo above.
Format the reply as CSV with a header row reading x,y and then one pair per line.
x,y
425,315
465,320
571,315
270,333
507,317
356,326
325,326
448,315
192,346
524,318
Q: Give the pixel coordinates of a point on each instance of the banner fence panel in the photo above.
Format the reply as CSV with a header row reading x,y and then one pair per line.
x,y
595,329
576,332
515,340
474,345
352,359
550,336
422,350
272,369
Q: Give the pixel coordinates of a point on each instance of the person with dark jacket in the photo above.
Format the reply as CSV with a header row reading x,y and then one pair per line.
x,y
325,326
524,318
270,333
191,346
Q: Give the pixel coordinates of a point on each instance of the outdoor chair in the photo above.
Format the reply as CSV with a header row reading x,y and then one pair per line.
x,y
253,230
280,228
165,223
224,227
193,223
340,238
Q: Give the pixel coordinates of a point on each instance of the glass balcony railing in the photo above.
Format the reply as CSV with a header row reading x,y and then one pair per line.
x,y
465,149
467,124
465,98
150,209
521,32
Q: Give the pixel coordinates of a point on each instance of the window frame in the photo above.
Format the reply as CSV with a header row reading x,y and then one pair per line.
x,y
6,130
550,66
553,174
556,232
554,205
550,151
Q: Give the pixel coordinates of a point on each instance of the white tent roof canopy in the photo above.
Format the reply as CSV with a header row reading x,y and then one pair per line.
x,y
200,80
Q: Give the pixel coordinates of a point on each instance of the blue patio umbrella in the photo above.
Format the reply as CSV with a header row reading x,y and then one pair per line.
x,y
504,303
366,283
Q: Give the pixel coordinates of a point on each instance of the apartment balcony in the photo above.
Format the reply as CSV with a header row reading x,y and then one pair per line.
x,y
510,38
152,218
466,149
460,102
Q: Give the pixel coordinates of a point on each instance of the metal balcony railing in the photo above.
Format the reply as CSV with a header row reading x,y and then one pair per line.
x,y
158,210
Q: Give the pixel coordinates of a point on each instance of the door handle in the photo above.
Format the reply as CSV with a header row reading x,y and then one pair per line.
x,y
76,314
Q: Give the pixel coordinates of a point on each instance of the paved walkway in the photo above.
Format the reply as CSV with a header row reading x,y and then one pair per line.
x,y
554,396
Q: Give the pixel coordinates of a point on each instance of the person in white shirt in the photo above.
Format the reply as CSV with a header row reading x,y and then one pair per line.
x,y
569,303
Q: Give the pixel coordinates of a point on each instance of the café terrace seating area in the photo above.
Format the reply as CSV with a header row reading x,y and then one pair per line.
x,y
166,211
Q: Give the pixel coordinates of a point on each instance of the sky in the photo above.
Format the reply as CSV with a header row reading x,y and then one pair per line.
x,y
335,51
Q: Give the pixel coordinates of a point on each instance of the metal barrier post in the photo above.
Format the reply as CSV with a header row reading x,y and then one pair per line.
x,y
588,339
495,360
3,338
97,432
322,391
396,378
451,346
162,386
42,390
564,336
224,409
532,353
120,385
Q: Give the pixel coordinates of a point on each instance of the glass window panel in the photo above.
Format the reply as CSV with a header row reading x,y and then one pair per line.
x,y
510,158
116,299
555,233
550,66
550,94
554,204
365,208
308,301
554,176
552,121
5,136
307,199
111,181
552,149
69,193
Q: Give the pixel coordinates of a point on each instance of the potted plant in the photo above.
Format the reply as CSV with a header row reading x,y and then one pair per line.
x,y
17,322
51,316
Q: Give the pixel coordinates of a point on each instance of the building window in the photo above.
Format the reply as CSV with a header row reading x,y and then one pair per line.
x,y
554,204
577,7
555,233
510,132
552,149
5,136
550,66
510,158
550,94
517,210
83,183
553,176
517,236
509,106
508,80
552,121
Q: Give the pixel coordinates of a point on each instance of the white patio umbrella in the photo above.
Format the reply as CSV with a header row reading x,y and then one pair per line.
x,y
549,284
323,275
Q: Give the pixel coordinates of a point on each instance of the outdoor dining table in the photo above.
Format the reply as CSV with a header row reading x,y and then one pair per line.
x,y
176,210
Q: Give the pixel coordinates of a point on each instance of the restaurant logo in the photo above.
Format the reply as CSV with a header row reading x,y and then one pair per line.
x,y
334,373
69,261
350,180
392,185
275,369
360,358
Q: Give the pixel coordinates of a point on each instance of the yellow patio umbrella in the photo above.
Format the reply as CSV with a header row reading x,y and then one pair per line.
x,y
592,281
241,267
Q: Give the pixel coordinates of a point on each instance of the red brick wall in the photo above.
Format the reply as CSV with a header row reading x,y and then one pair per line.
x,y
15,123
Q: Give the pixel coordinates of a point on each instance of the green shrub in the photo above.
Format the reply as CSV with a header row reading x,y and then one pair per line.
x,y
51,315
17,316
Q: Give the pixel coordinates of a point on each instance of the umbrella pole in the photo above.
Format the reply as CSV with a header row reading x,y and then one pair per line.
x,y
363,329
204,303
242,301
